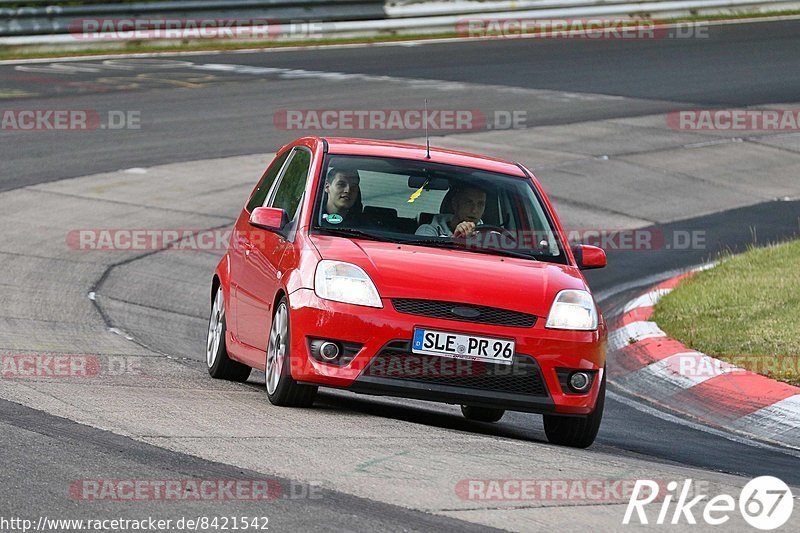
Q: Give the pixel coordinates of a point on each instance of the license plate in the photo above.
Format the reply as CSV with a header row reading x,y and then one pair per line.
x,y
460,346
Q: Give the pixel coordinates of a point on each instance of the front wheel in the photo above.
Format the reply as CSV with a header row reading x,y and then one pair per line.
x,y
576,431
220,366
282,389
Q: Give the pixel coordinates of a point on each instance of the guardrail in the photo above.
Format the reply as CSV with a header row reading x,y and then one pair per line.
x,y
57,17
54,23
418,17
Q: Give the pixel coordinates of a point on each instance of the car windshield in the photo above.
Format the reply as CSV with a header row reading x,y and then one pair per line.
x,y
423,203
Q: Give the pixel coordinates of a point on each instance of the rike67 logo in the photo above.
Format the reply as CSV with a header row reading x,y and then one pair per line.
x,y
765,503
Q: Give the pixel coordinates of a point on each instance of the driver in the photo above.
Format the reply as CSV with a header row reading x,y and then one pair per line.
x,y
469,203
342,187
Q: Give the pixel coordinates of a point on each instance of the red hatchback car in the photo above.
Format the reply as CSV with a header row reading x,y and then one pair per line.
x,y
392,269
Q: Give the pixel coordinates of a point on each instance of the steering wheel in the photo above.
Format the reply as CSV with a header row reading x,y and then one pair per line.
x,y
489,228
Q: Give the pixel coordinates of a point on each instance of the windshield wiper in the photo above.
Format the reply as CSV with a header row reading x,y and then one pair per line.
x,y
499,251
446,242
352,232
461,245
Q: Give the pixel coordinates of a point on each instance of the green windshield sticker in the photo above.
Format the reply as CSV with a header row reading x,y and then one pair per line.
x,y
334,219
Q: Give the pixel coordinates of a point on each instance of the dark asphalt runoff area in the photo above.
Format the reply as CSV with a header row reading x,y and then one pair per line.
x,y
190,114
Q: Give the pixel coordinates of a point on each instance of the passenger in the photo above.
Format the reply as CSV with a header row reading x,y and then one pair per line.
x,y
343,204
468,204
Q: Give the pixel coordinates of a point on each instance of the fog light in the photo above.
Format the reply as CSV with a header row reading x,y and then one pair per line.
x,y
329,351
333,352
579,381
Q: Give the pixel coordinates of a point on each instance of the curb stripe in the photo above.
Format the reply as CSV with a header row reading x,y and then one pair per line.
x,y
658,381
671,368
648,299
640,314
699,367
638,355
781,420
671,283
635,331
742,394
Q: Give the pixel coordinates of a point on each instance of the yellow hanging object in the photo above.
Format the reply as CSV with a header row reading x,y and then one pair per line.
x,y
417,193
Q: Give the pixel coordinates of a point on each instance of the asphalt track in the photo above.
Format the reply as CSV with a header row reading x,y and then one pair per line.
x,y
187,115
191,114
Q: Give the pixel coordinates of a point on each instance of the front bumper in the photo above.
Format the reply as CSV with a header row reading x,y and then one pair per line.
x,y
538,350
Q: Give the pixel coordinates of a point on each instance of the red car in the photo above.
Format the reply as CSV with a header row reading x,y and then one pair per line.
x,y
394,269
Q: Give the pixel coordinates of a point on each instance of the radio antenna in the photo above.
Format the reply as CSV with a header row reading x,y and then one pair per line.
x,y
427,138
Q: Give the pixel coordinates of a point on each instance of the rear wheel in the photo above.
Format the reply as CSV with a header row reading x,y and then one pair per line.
x,y
282,389
220,366
482,414
576,431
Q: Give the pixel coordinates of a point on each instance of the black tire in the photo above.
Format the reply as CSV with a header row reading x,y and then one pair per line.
x,y
576,431
482,414
286,392
220,366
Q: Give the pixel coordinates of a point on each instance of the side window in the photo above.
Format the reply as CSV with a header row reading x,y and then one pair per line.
x,y
293,182
260,195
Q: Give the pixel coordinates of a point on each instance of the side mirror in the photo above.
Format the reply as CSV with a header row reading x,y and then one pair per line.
x,y
589,257
269,218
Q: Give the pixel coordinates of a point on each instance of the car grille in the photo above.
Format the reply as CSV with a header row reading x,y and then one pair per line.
x,y
483,314
396,361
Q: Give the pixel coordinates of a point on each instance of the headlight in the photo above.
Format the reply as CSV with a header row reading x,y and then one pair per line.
x,y
345,282
573,309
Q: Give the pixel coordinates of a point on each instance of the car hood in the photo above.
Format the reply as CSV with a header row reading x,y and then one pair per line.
x,y
422,272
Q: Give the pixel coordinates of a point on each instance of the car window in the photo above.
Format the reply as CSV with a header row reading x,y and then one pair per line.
x,y
293,182
260,194
412,201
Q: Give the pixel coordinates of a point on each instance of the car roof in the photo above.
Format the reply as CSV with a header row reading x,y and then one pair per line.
x,y
372,147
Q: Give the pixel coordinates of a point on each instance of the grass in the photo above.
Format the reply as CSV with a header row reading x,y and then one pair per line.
x,y
745,311
144,47
30,52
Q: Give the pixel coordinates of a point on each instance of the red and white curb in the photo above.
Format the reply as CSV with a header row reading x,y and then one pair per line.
x,y
646,363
